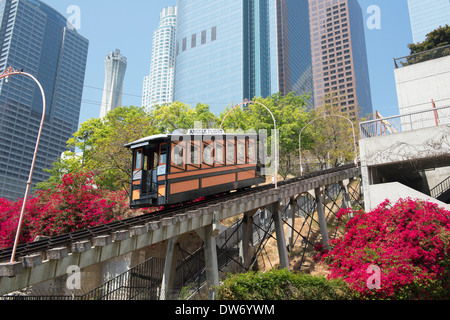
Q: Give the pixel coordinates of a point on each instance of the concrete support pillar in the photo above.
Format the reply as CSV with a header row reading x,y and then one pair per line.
x,y
274,208
346,203
245,244
366,180
212,269
170,267
319,195
291,221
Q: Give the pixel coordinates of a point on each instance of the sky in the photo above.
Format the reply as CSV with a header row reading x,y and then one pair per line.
x,y
129,27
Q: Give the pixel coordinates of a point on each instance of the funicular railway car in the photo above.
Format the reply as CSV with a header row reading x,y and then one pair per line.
x,y
176,168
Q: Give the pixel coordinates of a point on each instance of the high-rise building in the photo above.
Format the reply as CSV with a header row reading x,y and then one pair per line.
x,y
339,57
426,16
229,51
158,85
36,38
294,49
115,67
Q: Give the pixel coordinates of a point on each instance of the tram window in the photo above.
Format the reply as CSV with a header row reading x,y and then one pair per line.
x,y
230,152
154,158
162,154
178,153
208,154
138,160
195,155
241,152
218,154
146,160
251,157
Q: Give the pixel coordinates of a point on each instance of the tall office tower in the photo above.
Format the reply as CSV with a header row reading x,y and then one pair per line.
x,y
426,16
340,68
39,40
294,49
228,51
158,85
115,67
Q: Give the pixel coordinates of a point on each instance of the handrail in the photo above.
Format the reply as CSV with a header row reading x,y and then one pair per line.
x,y
441,188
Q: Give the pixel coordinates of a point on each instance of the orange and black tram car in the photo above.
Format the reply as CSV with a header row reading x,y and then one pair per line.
x,y
177,168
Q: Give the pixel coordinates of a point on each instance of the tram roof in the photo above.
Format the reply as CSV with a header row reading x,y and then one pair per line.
x,y
162,137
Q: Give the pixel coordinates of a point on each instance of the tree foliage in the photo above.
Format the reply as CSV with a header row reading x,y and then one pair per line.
x,y
102,141
291,115
281,285
179,116
333,137
76,203
435,39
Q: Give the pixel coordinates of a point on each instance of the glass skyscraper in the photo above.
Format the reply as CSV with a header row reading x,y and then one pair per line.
x,y
294,49
426,16
228,51
158,85
36,38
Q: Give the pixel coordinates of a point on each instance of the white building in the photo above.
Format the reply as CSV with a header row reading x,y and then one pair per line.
x,y
158,85
424,85
115,67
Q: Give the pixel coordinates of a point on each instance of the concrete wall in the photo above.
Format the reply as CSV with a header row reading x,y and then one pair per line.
x,y
395,191
414,145
417,84
419,159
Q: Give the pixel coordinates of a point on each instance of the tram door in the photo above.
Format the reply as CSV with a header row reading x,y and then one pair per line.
x,y
145,167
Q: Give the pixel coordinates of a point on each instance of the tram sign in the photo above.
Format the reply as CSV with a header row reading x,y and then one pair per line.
x,y
205,131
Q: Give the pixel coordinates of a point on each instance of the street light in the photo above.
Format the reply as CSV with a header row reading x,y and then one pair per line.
x,y
5,75
275,129
323,117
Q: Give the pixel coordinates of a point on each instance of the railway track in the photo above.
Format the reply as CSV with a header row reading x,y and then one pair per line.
x,y
107,229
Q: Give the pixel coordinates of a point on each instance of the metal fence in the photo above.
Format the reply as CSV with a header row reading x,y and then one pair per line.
x,y
422,57
406,122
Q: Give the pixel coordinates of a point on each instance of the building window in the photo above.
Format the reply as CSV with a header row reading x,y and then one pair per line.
x,y
203,41
213,33
183,48
193,40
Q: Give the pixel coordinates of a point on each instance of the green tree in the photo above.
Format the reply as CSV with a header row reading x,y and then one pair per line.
x,y
332,141
103,143
68,163
291,115
437,39
180,116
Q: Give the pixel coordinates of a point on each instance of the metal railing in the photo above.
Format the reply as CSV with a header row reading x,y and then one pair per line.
x,y
422,56
440,189
406,122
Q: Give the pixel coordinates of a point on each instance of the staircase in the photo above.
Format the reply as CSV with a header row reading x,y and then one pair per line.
x,y
442,191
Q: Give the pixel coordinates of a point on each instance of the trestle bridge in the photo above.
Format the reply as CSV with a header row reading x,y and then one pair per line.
x,y
295,214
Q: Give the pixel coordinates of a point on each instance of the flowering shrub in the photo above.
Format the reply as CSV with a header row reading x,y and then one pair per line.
x,y
75,204
409,243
